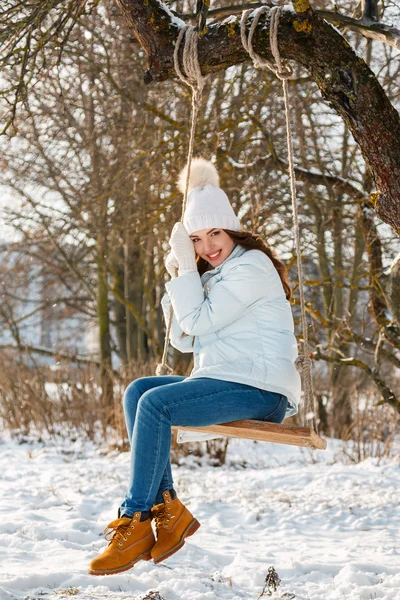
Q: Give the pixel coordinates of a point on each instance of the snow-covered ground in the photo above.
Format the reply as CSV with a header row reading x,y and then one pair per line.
x,y
330,529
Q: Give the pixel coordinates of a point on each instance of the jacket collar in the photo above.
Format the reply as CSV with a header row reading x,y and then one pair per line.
x,y
236,252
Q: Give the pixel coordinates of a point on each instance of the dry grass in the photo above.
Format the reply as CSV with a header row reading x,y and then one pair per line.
x,y
35,400
374,429
40,399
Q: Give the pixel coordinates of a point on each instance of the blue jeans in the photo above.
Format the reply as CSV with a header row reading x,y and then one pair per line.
x,y
153,404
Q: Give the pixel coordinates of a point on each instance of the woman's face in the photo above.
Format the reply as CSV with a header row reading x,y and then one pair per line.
x,y
214,245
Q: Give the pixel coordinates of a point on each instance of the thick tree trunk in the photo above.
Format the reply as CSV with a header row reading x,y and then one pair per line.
x,y
373,246
102,300
344,79
103,316
124,322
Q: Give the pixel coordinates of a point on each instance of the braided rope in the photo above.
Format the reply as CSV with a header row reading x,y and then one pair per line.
x,y
194,79
283,71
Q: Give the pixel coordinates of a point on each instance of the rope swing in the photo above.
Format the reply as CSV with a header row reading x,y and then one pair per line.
x,y
283,71
256,430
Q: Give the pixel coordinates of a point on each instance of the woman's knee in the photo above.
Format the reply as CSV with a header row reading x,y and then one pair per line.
x,y
152,401
132,394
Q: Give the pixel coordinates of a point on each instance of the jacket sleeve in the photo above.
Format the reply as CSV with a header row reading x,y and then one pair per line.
x,y
242,284
183,344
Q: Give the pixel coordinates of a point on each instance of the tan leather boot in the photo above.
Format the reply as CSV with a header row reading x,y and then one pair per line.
x,y
130,541
174,523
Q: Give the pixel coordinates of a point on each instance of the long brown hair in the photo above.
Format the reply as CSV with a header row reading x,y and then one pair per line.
x,y
252,241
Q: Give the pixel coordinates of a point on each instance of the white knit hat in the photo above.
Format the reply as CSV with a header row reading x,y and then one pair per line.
x,y
207,205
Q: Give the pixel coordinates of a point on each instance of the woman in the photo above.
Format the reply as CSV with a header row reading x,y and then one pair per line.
x,y
229,295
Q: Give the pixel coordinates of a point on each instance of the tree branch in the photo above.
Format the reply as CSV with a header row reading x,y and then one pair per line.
x,y
368,26
310,175
344,79
378,300
388,396
57,354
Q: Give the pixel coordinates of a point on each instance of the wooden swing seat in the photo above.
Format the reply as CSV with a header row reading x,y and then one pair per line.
x,y
265,432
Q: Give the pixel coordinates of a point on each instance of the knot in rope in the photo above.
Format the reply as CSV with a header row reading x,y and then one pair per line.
x,y
281,68
163,369
192,75
303,364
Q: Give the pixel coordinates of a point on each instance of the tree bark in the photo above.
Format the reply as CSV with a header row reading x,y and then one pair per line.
x,y
370,28
373,246
394,289
102,299
343,78
103,316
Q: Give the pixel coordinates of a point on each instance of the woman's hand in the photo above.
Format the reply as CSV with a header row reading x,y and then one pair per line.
x,y
182,247
171,264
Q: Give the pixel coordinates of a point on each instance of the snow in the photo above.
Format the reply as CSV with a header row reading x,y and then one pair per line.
x,y
230,19
330,529
393,264
174,18
238,165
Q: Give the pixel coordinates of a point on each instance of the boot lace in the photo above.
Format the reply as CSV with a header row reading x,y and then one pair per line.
x,y
117,532
159,517
162,516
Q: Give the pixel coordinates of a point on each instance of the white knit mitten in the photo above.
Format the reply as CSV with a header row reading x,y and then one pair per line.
x,y
171,264
182,247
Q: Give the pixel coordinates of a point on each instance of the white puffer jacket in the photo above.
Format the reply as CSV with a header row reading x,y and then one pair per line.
x,y
238,324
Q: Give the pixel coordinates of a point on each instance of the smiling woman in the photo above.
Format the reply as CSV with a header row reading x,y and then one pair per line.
x,y
249,241
229,296
213,246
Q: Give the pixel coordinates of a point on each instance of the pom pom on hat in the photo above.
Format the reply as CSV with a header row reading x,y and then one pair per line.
x,y
202,173
208,206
